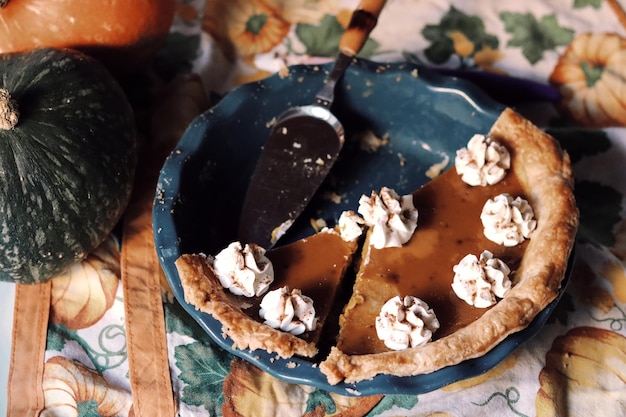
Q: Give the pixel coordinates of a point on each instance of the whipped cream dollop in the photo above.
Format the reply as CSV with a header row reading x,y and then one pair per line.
x,y
507,221
289,311
406,322
479,280
393,218
483,162
349,226
244,270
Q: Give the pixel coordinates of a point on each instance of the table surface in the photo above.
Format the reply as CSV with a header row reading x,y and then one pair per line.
x,y
579,352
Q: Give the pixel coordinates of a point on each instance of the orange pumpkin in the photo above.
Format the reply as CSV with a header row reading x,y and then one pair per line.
x,y
590,76
123,34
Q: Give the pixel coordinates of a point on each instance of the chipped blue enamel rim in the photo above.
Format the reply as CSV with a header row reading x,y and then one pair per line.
x,y
426,117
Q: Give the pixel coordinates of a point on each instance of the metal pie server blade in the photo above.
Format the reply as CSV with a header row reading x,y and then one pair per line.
x,y
301,149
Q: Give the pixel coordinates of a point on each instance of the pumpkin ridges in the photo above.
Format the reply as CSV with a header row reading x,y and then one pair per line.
x,y
613,76
597,108
569,73
599,49
611,103
577,107
96,301
594,113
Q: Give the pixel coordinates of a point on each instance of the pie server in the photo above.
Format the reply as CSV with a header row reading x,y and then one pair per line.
x,y
302,147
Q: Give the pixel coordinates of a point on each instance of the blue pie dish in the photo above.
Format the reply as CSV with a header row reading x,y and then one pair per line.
x,y
203,182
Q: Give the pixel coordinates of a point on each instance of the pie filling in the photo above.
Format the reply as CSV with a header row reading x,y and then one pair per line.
x,y
316,265
448,228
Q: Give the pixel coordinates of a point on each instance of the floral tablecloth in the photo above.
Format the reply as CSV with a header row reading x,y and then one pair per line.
x,y
575,366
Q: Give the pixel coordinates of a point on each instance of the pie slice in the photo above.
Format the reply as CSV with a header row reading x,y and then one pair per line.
x,y
449,227
315,265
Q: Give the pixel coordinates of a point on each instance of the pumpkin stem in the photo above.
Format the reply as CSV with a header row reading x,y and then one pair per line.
x,y
9,115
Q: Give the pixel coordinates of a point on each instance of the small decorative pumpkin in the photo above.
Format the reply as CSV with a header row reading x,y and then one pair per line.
x,y
590,76
84,292
250,391
245,28
586,362
123,34
68,153
67,383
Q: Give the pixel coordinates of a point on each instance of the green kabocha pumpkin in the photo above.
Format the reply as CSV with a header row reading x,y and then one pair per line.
x,y
67,160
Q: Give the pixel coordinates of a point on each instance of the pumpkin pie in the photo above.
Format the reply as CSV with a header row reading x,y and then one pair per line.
x,y
448,228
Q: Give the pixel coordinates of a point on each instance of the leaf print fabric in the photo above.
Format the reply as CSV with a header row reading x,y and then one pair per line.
x,y
457,34
535,37
322,38
203,375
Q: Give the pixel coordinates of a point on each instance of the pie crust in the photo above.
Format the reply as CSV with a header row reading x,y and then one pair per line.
x,y
545,174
